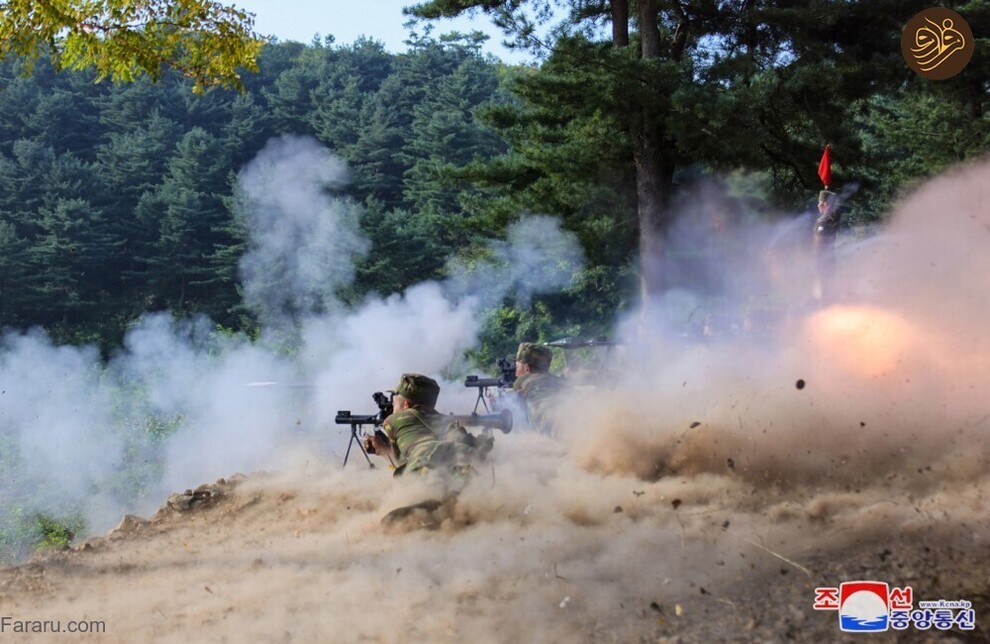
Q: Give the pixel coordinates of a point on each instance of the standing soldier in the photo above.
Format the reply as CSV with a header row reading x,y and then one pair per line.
x,y
536,386
826,229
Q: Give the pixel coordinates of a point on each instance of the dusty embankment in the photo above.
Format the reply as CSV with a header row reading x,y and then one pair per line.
x,y
535,549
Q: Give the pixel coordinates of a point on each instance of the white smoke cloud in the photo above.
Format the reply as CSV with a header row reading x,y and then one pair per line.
x,y
52,403
205,380
182,403
537,256
304,245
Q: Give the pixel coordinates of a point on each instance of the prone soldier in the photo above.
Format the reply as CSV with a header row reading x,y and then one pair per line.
x,y
536,385
417,438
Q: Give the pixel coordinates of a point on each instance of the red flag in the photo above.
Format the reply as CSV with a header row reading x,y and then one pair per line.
x,y
825,167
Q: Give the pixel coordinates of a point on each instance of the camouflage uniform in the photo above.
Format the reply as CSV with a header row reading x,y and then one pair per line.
x,y
827,224
538,388
826,229
420,437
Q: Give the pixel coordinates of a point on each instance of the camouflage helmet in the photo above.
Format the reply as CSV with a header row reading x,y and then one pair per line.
x,y
829,197
418,389
536,356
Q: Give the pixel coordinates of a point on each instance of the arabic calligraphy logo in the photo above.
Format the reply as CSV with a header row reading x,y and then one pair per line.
x,y
937,43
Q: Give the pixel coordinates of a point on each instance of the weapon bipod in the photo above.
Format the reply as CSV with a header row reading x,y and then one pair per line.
x,y
482,391
355,439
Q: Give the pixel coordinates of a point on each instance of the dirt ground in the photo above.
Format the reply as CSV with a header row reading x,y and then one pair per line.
x,y
525,553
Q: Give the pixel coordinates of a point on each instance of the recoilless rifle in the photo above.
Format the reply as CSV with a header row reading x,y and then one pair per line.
x,y
504,381
501,421
357,423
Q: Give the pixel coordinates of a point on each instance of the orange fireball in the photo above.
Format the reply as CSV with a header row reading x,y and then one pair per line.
x,y
865,340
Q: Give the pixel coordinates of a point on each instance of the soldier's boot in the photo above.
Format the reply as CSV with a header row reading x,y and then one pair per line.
x,y
427,514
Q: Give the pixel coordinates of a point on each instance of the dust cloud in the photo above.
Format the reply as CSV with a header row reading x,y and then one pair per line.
x,y
696,474
184,402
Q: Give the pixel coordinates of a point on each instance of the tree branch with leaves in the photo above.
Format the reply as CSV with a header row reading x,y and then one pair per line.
x,y
207,41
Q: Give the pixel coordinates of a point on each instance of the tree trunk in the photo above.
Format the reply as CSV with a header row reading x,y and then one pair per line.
x,y
620,23
654,179
649,33
654,174
182,294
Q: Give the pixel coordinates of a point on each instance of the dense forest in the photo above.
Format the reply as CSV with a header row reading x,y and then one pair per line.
x,y
118,199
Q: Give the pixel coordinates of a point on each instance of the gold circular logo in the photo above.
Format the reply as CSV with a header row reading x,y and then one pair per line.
x,y
937,43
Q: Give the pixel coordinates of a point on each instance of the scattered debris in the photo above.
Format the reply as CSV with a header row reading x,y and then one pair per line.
x,y
128,526
203,496
774,554
800,383
565,602
695,424
427,507
617,509
676,503
428,515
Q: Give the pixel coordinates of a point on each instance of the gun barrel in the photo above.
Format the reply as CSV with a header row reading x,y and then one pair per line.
x,y
475,381
501,421
347,418
576,343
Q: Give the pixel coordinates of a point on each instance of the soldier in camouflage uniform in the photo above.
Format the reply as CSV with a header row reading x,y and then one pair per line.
x,y
535,385
417,438
826,229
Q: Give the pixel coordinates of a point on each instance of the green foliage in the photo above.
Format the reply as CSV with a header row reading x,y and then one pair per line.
x,y
22,528
119,199
123,39
913,134
756,85
19,534
57,533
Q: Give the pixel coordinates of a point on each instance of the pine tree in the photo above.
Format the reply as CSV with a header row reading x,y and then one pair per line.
x,y
688,83
445,134
14,275
189,214
68,260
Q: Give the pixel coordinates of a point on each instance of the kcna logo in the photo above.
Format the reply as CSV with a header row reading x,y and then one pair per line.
x,y
864,606
874,607
937,43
